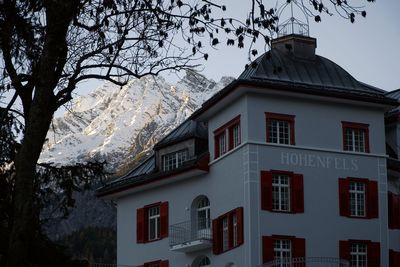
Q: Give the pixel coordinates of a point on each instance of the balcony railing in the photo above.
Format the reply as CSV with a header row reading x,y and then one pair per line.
x,y
309,262
190,235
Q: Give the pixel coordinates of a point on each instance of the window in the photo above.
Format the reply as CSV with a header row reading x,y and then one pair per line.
x,y
355,137
222,143
235,229
227,137
282,191
175,159
203,214
282,249
158,263
282,252
394,211
225,233
228,231
358,198
360,253
280,128
201,261
204,262
152,222
234,133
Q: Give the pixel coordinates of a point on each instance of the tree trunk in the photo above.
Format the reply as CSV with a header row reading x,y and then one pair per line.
x,y
59,14
23,225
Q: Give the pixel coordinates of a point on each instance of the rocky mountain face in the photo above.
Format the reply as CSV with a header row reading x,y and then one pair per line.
x,y
117,124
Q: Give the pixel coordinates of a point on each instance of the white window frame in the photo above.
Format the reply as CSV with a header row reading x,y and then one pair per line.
x,y
204,262
357,192
222,143
282,252
225,234
355,139
278,126
358,255
281,190
175,159
236,135
203,206
235,229
154,215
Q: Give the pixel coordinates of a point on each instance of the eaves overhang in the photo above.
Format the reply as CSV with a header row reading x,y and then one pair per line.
x,y
302,88
133,184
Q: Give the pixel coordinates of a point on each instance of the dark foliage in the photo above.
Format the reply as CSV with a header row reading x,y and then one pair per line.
x,y
93,243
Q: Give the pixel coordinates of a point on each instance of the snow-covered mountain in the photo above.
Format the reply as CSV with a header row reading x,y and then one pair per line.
x,y
116,123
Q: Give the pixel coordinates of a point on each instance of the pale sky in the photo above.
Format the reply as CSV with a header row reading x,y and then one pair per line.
x,y
369,49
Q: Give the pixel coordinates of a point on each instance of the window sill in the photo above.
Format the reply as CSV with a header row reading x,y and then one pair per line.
x,y
153,240
357,217
229,249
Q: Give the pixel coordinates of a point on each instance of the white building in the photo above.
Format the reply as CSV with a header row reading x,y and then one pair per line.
x,y
287,163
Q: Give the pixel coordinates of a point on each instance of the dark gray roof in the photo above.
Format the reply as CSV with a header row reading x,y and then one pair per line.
x,y
283,67
187,129
396,95
144,167
143,175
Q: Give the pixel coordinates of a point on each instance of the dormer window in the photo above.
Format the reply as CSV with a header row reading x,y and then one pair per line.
x,y
175,159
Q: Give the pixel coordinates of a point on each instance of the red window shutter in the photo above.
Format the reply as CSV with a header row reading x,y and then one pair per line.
x,y
344,250
299,250
164,263
396,212
239,214
230,138
164,220
391,210
344,197
267,249
366,142
374,254
394,258
266,190
216,232
372,199
292,132
140,225
297,191
216,146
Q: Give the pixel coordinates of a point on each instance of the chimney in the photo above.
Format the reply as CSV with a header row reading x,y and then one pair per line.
x,y
299,46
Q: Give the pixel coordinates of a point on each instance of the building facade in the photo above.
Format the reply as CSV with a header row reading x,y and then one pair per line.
x,y
287,163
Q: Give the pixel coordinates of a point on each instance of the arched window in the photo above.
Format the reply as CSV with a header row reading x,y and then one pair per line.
x,y
201,261
204,262
203,213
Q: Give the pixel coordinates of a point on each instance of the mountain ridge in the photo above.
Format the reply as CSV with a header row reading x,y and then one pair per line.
x,y
119,125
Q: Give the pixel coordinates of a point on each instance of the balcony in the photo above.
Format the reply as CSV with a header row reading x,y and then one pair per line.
x,y
190,236
309,262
